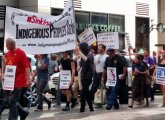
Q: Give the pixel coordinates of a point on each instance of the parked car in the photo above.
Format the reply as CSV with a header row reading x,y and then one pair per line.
x,y
32,91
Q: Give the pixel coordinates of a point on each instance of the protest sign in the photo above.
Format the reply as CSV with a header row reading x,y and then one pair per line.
x,y
111,76
160,75
38,33
65,78
87,36
9,78
127,38
109,39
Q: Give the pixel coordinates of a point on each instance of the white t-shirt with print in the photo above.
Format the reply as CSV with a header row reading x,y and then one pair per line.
x,y
99,61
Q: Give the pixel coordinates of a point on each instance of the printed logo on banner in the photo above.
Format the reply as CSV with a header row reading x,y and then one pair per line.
x,y
87,36
37,33
160,75
111,77
110,39
9,78
65,78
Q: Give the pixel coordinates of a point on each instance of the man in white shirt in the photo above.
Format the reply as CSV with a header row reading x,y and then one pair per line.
x,y
99,61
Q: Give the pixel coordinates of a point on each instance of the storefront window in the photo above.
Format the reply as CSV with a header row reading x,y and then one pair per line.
x,y
82,21
99,18
117,23
142,33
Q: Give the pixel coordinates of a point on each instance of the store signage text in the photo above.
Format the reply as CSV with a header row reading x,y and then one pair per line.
x,y
99,27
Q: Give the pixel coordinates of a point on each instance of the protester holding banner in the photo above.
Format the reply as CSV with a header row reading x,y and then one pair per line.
x,y
115,69
68,64
160,80
99,61
87,68
17,58
42,80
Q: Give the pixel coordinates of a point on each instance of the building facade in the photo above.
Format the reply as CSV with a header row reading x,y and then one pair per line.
x,y
125,16
161,19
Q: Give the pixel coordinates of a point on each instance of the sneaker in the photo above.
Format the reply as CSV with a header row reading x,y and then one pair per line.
x,y
74,100
92,110
130,106
152,100
82,110
109,108
24,115
67,108
116,107
38,110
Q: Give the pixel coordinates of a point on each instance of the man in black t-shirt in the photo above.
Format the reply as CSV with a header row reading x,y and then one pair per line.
x,y
114,61
87,68
68,64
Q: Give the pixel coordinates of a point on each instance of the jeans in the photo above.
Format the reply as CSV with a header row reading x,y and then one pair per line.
x,y
6,98
24,101
13,101
85,94
5,101
41,84
112,96
123,92
58,95
96,84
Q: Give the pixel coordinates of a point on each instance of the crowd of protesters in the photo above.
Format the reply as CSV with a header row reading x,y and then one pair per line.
x,y
88,74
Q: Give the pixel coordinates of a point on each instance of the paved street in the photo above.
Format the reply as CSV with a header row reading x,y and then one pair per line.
x,y
155,112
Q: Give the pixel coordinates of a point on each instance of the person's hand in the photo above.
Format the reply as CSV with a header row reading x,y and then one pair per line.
x,y
71,83
28,83
78,68
2,76
122,77
136,72
77,49
102,81
3,58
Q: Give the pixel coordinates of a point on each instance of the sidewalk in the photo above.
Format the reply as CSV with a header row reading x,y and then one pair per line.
x,y
154,112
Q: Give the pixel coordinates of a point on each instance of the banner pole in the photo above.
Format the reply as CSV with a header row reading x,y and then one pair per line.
x,y
74,22
3,68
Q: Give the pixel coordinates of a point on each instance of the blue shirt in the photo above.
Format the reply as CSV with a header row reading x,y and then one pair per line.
x,y
139,66
42,73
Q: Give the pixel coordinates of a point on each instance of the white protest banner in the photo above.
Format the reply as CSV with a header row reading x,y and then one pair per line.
x,y
160,75
38,33
87,36
109,39
127,38
111,76
65,78
9,77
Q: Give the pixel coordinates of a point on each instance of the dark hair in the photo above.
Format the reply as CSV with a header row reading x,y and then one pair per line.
x,y
138,57
45,55
110,50
84,48
146,50
103,46
142,57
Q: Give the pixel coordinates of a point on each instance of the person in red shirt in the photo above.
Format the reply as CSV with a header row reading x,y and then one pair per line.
x,y
17,57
